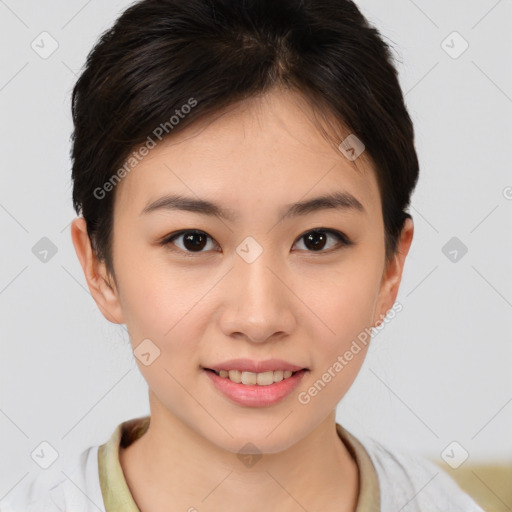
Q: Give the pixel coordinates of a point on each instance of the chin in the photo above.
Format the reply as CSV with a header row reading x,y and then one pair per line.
x,y
248,436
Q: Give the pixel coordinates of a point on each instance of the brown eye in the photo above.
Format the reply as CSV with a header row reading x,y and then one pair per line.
x,y
191,241
316,240
194,241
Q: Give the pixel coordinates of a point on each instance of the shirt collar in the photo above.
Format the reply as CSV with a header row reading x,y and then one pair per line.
x,y
369,491
118,498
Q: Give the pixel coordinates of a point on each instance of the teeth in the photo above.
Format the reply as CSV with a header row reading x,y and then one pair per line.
x,y
265,378
235,376
251,378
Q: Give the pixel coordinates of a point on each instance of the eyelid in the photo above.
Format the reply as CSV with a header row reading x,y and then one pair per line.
x,y
344,240
166,241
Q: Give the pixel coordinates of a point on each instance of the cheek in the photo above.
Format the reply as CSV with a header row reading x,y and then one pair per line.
x,y
341,300
155,295
343,304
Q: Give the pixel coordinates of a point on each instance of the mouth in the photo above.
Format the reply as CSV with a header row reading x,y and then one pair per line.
x,y
255,379
255,389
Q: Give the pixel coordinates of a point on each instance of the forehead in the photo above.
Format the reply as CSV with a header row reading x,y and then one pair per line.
x,y
264,151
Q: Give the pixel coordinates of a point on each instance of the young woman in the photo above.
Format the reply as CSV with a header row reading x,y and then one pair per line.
x,y
242,171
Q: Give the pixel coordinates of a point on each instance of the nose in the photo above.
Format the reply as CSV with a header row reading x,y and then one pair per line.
x,y
258,302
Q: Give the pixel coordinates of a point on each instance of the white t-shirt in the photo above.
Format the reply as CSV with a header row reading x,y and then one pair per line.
x,y
390,481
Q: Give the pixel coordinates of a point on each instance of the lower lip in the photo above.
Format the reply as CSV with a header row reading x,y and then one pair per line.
x,y
253,395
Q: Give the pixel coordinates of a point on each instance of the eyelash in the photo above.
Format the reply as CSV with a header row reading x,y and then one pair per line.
x,y
343,239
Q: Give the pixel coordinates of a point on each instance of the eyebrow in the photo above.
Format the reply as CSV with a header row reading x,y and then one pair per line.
x,y
337,200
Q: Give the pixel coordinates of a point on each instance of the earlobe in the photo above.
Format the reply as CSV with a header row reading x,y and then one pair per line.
x,y
101,287
392,276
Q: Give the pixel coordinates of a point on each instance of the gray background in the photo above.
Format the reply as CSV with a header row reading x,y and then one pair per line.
x,y
438,373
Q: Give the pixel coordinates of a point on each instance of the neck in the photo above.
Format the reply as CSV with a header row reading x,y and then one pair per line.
x,y
171,463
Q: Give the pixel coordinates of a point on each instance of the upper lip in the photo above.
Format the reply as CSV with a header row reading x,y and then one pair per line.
x,y
248,365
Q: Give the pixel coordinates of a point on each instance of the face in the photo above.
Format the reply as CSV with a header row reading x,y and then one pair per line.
x,y
259,280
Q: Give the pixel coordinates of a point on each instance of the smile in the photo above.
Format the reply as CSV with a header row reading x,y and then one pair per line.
x,y
251,378
251,389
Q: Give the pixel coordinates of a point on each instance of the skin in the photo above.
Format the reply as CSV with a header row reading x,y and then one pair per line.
x,y
292,303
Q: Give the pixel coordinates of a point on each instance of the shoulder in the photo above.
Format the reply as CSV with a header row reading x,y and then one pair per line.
x,y
75,488
411,483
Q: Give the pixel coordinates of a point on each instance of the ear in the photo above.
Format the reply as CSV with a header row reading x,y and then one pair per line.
x,y
102,287
392,275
